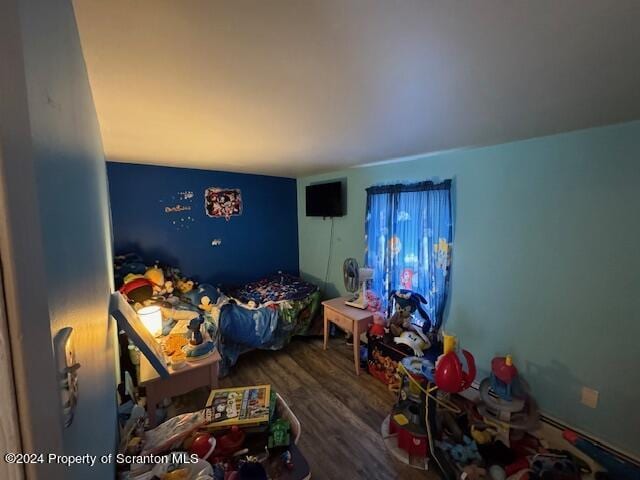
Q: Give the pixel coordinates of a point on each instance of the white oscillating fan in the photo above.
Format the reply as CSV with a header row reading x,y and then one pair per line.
x,y
355,281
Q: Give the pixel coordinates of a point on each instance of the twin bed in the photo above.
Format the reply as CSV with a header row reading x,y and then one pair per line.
x,y
259,315
266,315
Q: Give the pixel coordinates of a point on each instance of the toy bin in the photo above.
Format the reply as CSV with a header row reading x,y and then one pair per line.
x,y
285,413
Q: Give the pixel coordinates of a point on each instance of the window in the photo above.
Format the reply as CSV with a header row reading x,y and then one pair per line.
x,y
408,234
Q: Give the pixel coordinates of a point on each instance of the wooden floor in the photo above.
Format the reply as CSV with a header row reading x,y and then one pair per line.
x,y
340,413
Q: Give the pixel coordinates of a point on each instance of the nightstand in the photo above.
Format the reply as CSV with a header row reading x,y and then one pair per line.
x,y
349,319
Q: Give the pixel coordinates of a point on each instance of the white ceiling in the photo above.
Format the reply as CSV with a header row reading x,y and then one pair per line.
x,y
290,87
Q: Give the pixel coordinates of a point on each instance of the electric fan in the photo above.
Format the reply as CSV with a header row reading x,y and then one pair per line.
x,y
355,281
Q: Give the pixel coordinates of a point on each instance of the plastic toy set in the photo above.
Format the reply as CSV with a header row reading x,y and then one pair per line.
x,y
491,437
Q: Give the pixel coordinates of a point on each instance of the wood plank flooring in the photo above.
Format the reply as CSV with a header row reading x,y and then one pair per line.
x,y
340,413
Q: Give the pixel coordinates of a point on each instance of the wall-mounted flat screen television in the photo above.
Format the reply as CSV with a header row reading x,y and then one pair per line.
x,y
325,200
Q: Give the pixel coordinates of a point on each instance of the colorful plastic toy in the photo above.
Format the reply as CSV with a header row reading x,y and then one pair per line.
x,y
503,375
616,468
200,345
279,434
229,443
407,420
455,372
414,341
203,445
505,402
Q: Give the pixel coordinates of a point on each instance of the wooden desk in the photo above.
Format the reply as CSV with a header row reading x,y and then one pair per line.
x,y
193,375
350,319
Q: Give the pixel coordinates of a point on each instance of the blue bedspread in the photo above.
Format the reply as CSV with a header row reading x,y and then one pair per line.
x,y
268,327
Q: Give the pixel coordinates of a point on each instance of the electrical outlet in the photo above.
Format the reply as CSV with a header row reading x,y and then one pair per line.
x,y
589,397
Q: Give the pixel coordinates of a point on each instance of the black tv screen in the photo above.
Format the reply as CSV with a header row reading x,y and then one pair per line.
x,y
324,200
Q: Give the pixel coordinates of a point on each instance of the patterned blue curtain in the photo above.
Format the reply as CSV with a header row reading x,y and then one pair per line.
x,y
408,236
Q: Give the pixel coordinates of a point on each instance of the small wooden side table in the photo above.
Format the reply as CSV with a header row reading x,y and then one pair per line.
x,y
193,375
350,319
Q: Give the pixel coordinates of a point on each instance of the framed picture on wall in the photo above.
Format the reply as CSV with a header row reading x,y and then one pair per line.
x,y
223,202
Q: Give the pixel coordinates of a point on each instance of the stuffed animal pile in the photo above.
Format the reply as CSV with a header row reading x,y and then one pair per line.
x,y
178,296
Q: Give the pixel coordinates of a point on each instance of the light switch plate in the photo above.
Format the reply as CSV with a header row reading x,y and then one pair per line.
x,y
589,397
67,371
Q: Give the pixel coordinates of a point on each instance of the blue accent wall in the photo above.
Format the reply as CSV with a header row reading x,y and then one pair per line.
x,y
545,263
260,241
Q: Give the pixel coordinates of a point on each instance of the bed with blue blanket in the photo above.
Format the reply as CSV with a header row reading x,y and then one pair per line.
x,y
266,315
260,315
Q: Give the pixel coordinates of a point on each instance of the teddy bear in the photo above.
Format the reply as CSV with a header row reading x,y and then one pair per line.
x,y
407,303
400,320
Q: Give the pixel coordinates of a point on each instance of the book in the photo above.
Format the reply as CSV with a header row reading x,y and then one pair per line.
x,y
248,406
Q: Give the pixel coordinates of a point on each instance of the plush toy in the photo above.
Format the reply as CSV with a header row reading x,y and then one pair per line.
x,y
185,286
400,321
413,340
407,303
377,327
126,264
198,295
156,276
462,453
137,288
205,304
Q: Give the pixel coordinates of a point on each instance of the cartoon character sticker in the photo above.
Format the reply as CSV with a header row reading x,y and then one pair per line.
x,y
223,202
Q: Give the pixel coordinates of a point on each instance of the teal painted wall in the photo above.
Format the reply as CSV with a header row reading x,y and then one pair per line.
x,y
546,263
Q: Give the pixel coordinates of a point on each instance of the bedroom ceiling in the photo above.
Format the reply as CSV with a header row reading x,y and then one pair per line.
x,y
290,87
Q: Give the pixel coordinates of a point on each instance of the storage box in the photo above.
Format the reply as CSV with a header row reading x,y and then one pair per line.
x,y
284,412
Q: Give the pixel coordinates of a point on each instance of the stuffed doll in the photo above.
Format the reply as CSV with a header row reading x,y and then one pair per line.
x,y
407,303
377,327
400,320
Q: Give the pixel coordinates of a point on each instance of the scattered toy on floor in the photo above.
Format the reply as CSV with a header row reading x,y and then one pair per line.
x,y
616,467
462,453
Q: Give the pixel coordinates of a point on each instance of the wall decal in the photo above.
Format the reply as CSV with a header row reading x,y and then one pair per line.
x,y
177,208
223,202
179,203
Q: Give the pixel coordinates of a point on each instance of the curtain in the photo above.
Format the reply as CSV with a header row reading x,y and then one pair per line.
x,y
408,237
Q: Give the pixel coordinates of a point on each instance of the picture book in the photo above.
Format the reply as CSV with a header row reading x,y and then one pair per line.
x,y
238,406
